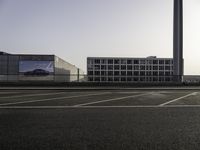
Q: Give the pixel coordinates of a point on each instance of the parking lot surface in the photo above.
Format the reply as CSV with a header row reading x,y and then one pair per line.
x,y
100,119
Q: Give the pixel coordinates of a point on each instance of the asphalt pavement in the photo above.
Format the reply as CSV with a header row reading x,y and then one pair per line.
x,y
95,120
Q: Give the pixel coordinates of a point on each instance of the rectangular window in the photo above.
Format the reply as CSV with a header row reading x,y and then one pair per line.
x,y
136,67
161,73
149,73
142,73
161,67
148,67
90,66
155,79
116,73
129,73
123,61
116,79
167,73
123,73
123,79
149,62
155,67
116,67
167,67
155,73
116,61
123,67
136,61
129,67
167,61
97,79
161,79
103,73
103,79
110,73
142,67
110,67
136,73
142,79
103,67
142,61
129,61
110,61
90,72
90,79
97,61
103,61
155,61
129,79
161,62
97,73
90,61
110,79
97,67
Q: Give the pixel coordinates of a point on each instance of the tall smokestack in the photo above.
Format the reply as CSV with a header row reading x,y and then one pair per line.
x,y
178,40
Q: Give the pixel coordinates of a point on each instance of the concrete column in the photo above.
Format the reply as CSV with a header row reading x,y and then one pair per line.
x,y
178,40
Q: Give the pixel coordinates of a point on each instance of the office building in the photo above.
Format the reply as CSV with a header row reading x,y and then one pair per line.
x,y
22,67
113,69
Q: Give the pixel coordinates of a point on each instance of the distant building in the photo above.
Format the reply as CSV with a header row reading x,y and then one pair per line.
x,y
22,67
113,69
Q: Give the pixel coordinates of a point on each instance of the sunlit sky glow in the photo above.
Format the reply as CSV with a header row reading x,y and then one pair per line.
x,y
76,29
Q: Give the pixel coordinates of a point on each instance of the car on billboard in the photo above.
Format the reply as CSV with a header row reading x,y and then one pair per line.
x,y
37,72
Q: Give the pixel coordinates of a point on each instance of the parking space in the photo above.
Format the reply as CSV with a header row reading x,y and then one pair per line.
x,y
70,100
43,97
150,98
193,99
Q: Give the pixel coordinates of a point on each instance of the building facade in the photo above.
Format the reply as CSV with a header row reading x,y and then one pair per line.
x,y
111,69
21,67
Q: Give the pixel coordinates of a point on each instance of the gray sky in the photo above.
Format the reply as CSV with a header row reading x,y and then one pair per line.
x,y
76,29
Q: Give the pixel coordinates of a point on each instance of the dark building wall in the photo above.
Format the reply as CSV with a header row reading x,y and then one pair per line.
x,y
15,68
3,67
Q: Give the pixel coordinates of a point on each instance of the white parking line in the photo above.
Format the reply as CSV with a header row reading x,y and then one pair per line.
x,y
174,100
50,99
9,92
63,107
113,99
98,107
28,95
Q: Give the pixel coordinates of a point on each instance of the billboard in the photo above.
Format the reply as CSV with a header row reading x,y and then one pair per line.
x,y
36,68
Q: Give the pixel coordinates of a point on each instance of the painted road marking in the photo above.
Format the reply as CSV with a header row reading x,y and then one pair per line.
x,y
113,99
62,107
28,95
9,92
50,99
98,107
174,100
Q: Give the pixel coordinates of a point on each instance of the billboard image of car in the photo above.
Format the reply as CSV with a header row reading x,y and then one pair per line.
x,y
36,68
